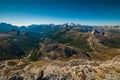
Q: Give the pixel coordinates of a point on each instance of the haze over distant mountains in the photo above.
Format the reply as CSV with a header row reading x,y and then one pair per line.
x,y
6,27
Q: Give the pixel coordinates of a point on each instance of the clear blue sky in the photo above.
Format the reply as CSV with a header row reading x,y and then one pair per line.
x,y
88,12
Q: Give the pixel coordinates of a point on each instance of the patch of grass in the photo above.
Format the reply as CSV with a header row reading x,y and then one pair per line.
x,y
22,66
2,66
107,54
11,63
34,56
113,42
73,39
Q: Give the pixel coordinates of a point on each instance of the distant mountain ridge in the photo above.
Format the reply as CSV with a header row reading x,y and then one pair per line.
x,y
47,28
86,39
4,27
44,30
15,43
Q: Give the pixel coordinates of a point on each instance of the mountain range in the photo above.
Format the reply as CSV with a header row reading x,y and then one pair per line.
x,y
24,39
59,52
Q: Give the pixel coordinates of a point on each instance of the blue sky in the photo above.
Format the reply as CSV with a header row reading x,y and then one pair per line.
x,y
87,12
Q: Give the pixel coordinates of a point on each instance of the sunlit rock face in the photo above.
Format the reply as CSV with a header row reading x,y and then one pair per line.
x,y
63,70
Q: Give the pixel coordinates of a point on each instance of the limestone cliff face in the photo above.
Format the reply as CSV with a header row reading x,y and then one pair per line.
x,y
102,39
95,43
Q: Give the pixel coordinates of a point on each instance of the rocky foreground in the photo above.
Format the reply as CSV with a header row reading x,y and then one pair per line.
x,y
75,69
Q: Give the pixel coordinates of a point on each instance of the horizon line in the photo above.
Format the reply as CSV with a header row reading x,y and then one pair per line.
x,y
26,25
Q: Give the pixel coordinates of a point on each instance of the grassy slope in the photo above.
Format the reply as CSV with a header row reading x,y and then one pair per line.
x,y
72,38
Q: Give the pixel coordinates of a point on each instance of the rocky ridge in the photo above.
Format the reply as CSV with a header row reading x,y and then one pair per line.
x,y
63,70
52,50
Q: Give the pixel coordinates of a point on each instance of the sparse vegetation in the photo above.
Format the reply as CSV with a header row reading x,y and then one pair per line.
x,y
113,42
76,39
11,63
